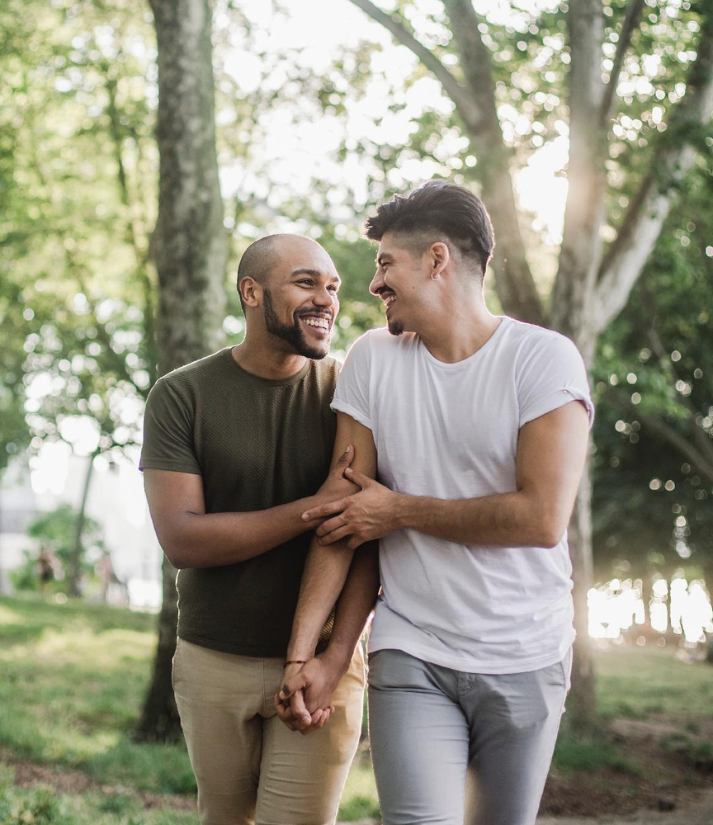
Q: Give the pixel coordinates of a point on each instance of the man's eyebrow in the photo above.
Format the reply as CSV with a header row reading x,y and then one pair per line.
x,y
307,271
315,273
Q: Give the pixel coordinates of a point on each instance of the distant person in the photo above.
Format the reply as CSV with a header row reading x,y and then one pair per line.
x,y
480,425
46,567
236,447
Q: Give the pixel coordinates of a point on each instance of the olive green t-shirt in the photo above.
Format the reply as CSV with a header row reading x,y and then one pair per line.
x,y
256,444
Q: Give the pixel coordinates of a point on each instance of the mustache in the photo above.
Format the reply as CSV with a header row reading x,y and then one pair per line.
x,y
300,313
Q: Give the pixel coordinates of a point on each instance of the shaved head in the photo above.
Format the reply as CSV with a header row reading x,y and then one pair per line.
x,y
258,260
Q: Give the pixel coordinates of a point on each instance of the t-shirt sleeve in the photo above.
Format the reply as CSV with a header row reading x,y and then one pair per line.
x,y
168,432
552,375
352,393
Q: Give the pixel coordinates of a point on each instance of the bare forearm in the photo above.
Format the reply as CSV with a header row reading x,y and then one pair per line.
x,y
324,575
215,539
504,520
355,605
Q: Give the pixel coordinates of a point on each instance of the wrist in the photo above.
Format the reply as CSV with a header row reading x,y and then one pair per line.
x,y
403,511
337,657
299,650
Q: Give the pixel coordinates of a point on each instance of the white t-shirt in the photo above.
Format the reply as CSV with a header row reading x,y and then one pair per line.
x,y
450,431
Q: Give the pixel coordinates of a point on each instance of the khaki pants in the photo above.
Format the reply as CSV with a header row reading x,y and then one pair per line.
x,y
250,768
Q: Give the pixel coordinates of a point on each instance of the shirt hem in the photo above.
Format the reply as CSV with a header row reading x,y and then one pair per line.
x,y
473,665
558,399
176,466
343,407
258,651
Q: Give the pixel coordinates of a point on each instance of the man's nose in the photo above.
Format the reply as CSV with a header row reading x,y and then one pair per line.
x,y
377,282
325,297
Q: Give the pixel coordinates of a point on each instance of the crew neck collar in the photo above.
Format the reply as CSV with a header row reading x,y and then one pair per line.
x,y
477,355
272,382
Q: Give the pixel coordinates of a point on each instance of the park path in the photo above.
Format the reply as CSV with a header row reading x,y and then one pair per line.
x,y
698,813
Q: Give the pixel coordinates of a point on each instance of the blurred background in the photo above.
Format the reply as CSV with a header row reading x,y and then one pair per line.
x,y
589,139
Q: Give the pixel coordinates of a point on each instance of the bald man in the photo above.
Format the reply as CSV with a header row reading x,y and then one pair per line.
x,y
236,447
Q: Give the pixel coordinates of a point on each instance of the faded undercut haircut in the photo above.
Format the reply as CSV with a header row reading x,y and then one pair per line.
x,y
257,262
436,211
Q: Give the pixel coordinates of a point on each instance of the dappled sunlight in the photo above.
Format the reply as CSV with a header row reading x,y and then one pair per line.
x,y
8,616
104,652
681,607
62,742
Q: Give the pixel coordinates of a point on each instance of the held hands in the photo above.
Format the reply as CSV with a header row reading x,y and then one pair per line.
x,y
366,515
303,703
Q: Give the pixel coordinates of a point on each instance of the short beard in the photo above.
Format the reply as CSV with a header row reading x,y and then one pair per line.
x,y
292,334
395,327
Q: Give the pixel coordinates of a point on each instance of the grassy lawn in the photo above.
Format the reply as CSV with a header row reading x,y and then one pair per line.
x,y
74,675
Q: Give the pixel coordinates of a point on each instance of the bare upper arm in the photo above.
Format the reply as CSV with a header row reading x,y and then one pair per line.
x,y
551,453
350,431
171,496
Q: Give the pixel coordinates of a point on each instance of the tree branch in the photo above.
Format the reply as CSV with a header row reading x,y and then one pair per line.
x,y
672,159
628,27
705,444
581,249
683,445
514,283
474,59
466,107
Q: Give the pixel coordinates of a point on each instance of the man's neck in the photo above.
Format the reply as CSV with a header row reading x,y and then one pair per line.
x,y
267,361
452,336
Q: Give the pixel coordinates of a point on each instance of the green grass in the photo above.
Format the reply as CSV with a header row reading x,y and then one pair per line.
x,y
637,682
74,676
589,755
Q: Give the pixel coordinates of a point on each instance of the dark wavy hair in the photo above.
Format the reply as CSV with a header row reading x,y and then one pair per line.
x,y
435,211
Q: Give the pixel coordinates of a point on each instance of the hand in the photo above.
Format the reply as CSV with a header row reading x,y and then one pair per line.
x,y
304,702
364,516
299,719
335,486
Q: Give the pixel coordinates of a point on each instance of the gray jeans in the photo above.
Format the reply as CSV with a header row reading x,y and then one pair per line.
x,y
453,748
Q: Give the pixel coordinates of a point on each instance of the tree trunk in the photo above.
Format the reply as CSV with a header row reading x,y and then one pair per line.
x,y
189,249
582,704
75,571
159,717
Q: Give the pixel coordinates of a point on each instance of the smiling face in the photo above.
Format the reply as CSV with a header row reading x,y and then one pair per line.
x,y
397,282
300,297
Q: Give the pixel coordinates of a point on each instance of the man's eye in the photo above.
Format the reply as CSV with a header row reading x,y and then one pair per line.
x,y
333,289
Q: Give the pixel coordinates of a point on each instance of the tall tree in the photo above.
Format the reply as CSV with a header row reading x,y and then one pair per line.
x,y
189,248
589,44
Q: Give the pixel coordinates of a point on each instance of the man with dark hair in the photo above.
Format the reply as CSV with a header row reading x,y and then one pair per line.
x,y
236,447
479,428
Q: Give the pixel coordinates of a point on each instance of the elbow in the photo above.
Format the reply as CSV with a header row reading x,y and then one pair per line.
x,y
548,540
176,559
175,553
549,532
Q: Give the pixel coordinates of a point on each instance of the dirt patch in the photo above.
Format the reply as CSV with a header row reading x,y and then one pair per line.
x,y
31,774
665,766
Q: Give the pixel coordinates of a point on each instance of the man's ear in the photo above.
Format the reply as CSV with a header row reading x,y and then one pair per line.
x,y
439,256
251,291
